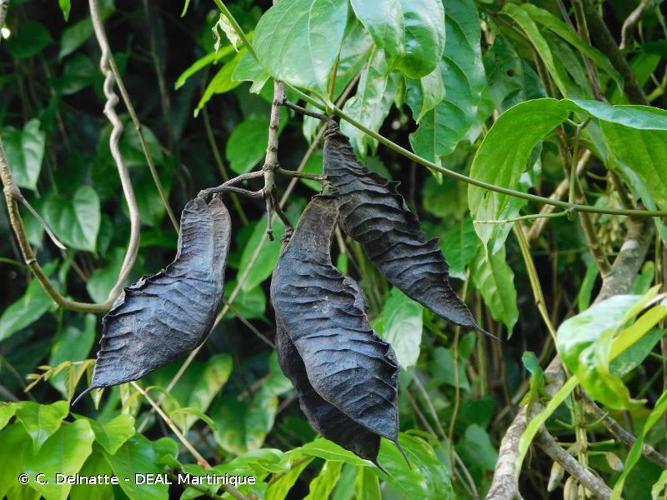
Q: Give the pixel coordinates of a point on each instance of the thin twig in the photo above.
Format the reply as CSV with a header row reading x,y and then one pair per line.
x,y
304,111
631,21
106,67
301,175
621,434
594,484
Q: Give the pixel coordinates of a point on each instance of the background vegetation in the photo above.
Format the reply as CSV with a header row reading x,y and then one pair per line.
x,y
519,97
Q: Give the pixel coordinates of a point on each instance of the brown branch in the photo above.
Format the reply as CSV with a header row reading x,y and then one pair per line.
x,y
592,483
618,281
621,434
606,43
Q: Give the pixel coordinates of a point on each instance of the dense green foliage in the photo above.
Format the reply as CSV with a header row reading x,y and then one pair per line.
x,y
481,109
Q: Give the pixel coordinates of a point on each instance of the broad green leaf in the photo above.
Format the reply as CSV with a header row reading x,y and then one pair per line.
x,y
427,477
384,21
103,279
243,425
222,82
636,451
95,464
367,484
115,433
501,159
370,105
76,35
585,341
444,369
548,20
29,38
7,411
209,384
80,72
65,452
14,438
455,117
41,421
432,92
25,152
279,489
325,482
137,455
268,254
345,489
72,344
298,41
75,220
328,450
201,63
521,17
248,305
460,244
249,70
495,281
476,449
402,327
25,311
246,145
423,38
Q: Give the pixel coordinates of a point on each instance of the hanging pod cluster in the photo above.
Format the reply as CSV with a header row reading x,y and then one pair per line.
x,y
345,375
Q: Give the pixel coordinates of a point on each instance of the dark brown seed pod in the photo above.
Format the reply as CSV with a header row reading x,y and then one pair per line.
x,y
163,317
345,375
375,214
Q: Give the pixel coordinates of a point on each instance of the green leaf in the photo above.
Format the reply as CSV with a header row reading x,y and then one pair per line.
x,y
41,421
137,455
202,63
25,311
249,70
370,105
325,482
402,320
428,477
243,425
103,279
460,244
115,433
222,82
328,450
208,385
95,464
432,92
248,305
28,39
560,28
76,35
636,451
367,484
476,449
423,38
444,369
384,21
66,7
7,411
75,220
298,41
25,152
64,453
501,159
521,17
13,438
495,281
246,145
268,254
584,343
72,344
455,117
279,488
